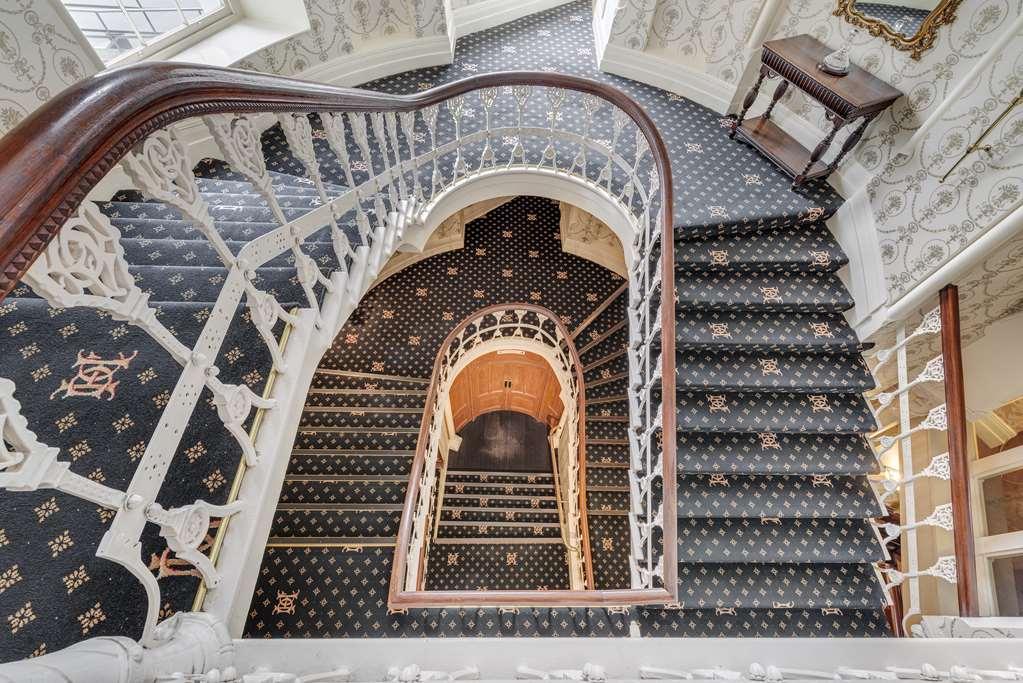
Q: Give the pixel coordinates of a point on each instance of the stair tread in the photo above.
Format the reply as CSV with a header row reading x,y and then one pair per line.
x,y
762,411
782,292
774,453
783,496
811,247
724,540
793,372
767,332
780,585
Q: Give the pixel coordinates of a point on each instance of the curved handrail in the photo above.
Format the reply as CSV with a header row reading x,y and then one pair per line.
x,y
399,566
61,152
53,158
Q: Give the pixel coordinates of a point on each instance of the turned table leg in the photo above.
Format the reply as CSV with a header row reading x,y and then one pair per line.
x,y
779,92
751,97
850,142
819,151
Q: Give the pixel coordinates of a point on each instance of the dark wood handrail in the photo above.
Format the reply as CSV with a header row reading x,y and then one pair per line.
x,y
958,455
397,596
58,154
52,159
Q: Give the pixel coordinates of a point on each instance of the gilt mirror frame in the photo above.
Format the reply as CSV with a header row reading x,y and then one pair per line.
x,y
917,44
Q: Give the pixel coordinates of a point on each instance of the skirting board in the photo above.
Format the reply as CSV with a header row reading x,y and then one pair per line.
x,y
379,61
480,16
665,74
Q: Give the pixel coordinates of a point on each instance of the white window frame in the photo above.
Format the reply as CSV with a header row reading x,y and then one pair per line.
x,y
174,41
991,547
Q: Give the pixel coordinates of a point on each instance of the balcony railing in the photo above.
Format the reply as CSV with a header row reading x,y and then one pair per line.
x,y
397,155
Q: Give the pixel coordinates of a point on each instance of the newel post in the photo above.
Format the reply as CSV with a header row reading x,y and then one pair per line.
x,y
955,401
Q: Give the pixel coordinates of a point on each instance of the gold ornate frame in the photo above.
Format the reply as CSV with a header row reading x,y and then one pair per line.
x,y
916,45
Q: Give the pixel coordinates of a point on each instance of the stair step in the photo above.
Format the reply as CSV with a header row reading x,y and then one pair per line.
x,y
778,540
458,488
344,399
606,476
778,292
255,213
610,386
761,623
199,251
784,496
607,500
189,283
356,441
349,543
503,477
765,332
804,373
606,454
497,564
773,411
363,419
774,453
609,366
328,491
808,248
613,313
495,514
606,431
335,523
500,501
611,344
593,339
608,406
779,586
449,529
609,550
320,463
325,378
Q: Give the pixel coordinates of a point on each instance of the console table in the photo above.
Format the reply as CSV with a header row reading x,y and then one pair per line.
x,y
857,95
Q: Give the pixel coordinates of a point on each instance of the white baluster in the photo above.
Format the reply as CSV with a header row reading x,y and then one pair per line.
x,y
185,529
934,371
160,168
938,468
944,568
940,517
931,324
937,420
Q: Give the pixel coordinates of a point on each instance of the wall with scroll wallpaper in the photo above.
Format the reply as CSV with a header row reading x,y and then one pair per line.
x,y
921,221
39,56
340,28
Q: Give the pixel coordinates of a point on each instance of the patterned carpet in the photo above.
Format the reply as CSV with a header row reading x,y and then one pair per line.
x,y
774,537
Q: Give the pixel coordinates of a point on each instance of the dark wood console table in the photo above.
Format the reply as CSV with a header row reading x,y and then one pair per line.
x,y
858,95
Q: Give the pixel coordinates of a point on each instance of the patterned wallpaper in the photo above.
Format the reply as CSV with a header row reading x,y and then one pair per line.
x,y
39,57
341,27
921,221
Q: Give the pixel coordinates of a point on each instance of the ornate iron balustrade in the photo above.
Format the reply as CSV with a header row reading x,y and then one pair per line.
x,y
524,326
396,154
916,412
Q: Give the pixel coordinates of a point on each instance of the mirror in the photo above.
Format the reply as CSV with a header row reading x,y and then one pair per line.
x,y
909,25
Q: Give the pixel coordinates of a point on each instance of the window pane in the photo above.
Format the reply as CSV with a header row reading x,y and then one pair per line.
x,y
113,27
1008,574
1003,502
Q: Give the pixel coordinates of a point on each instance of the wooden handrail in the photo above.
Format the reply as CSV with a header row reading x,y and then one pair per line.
x,y
52,159
57,155
958,455
397,596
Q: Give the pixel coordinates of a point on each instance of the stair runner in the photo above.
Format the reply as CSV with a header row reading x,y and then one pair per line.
x,y
773,504
498,531
63,594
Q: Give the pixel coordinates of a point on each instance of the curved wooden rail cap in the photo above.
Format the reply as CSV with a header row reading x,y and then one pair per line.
x,y
50,161
56,156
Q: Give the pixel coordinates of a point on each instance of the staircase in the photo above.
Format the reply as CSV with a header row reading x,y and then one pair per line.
x,y
601,341
498,530
774,505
